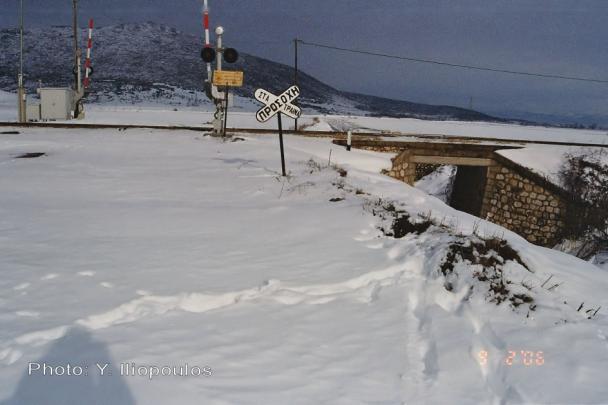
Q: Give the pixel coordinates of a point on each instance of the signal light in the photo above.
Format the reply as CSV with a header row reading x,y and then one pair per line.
x,y
231,55
208,54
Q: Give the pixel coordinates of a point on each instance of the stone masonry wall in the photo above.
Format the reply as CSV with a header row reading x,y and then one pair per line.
x,y
514,197
523,205
381,148
403,169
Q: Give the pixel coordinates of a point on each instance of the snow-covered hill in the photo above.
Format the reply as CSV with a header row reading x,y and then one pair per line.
x,y
150,62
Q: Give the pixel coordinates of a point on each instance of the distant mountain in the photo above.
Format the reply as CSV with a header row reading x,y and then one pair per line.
x,y
149,61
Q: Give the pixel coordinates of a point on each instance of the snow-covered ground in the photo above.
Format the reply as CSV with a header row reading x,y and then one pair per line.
x,y
438,183
242,116
162,249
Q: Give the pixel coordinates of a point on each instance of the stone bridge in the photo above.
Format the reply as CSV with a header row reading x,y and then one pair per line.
x,y
486,185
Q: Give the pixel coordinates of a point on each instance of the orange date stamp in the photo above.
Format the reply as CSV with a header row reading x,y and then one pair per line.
x,y
526,358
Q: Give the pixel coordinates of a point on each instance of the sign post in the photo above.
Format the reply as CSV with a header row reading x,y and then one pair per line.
x,y
225,112
227,79
281,143
278,105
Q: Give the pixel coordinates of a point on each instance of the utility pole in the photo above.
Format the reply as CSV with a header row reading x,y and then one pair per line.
x,y
295,42
20,90
75,46
78,89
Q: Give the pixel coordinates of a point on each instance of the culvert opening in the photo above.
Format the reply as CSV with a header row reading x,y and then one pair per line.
x,y
461,187
468,189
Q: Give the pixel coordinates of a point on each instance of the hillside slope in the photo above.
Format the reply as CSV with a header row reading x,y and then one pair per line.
x,y
138,62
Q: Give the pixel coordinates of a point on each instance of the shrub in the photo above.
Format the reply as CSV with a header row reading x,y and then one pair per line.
x,y
585,177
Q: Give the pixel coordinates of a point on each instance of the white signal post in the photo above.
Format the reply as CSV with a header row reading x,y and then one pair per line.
x,y
221,99
219,33
212,85
349,140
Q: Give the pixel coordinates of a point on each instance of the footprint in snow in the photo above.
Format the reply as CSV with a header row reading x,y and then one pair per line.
x,y
366,235
602,336
378,245
27,314
10,356
394,253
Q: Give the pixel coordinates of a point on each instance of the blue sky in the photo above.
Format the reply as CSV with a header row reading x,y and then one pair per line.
x,y
552,36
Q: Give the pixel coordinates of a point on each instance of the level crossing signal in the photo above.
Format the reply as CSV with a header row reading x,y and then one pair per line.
x,y
209,55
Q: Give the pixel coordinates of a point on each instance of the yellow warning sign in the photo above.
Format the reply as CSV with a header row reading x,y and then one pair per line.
x,y
230,78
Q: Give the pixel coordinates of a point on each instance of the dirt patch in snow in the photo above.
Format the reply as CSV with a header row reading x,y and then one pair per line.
x,y
402,224
30,155
468,259
486,259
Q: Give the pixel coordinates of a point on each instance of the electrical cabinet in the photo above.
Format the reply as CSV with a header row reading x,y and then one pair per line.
x,y
55,103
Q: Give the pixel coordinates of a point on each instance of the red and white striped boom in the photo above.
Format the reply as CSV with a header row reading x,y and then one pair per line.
x,y
207,37
87,63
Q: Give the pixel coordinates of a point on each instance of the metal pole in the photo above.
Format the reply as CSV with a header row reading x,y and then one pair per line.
x,y
281,142
218,118
225,111
219,31
75,39
20,90
349,140
21,43
295,41
75,44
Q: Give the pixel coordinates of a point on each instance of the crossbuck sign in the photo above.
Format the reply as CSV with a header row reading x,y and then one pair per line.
x,y
278,104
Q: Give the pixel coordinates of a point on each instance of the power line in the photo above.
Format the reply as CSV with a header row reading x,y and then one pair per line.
x,y
455,65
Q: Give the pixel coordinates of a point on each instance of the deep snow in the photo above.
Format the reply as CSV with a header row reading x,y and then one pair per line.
x,y
163,248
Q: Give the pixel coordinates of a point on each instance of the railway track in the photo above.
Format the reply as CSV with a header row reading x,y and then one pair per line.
x,y
379,135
